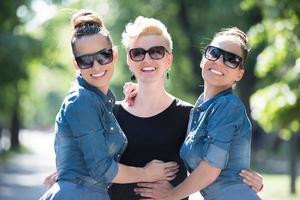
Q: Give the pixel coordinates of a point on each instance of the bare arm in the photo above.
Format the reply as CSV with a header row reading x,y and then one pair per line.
x,y
199,179
153,171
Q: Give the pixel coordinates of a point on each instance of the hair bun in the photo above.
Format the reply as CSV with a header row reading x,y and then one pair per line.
x,y
84,17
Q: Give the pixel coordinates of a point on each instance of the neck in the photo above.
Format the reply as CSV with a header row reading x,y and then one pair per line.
x,y
152,98
104,90
211,91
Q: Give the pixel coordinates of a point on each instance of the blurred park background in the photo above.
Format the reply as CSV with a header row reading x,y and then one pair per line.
x,y
36,72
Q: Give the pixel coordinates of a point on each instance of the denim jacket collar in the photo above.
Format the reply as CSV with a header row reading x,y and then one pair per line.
x,y
108,99
203,105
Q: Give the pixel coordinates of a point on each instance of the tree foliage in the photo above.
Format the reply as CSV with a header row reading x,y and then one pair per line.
x,y
17,49
276,102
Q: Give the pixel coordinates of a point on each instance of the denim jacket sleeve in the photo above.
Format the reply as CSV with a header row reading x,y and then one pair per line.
x,y
223,122
84,118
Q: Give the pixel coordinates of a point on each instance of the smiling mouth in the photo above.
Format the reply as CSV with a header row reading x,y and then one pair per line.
x,y
99,74
216,72
148,69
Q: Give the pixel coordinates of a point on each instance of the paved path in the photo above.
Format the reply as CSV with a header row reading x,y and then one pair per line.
x,y
21,177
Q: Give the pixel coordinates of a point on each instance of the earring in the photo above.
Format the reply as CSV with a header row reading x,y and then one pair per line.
x,y
132,78
168,76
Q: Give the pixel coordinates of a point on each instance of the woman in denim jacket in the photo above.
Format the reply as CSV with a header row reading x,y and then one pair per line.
x,y
89,141
217,145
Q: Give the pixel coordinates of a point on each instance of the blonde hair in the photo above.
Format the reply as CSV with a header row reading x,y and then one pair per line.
x,y
240,35
145,26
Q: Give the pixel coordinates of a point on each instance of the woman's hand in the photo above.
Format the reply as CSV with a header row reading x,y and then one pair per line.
x,y
50,179
253,179
158,170
156,190
130,91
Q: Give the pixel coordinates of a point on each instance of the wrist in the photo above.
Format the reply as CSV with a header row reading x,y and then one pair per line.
x,y
144,176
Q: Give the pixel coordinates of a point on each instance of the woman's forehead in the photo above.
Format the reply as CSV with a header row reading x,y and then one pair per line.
x,y
148,41
228,43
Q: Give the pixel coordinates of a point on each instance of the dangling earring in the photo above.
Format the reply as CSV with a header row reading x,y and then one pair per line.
x,y
168,76
132,78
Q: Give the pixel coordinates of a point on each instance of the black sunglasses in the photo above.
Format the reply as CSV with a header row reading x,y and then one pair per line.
x,y
231,60
103,57
155,53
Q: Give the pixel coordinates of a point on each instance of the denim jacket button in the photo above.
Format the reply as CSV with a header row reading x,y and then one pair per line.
x,y
111,128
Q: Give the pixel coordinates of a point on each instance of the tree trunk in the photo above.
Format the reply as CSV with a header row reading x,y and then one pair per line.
x,y
14,130
194,53
293,162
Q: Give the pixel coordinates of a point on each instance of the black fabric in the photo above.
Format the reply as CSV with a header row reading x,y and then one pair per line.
x,y
157,137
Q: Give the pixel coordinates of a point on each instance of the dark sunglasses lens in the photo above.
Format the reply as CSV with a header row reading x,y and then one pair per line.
x,y
231,60
104,57
212,53
157,53
85,62
137,54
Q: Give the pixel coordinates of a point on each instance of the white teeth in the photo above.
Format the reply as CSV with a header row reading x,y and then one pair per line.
x,y
98,75
148,69
216,72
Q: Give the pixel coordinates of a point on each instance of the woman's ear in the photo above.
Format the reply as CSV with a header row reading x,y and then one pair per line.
x,y
240,74
75,65
202,63
129,61
115,54
169,60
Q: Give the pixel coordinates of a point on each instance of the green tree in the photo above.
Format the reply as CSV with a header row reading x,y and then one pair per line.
x,y
276,102
16,49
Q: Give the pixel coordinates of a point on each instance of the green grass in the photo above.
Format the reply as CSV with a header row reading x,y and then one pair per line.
x,y
10,153
277,187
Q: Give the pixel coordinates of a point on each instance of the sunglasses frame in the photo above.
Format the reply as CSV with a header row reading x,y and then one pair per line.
x,y
95,56
144,52
225,56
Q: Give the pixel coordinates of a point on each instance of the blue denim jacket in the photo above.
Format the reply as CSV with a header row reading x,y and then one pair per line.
x,y
88,141
219,132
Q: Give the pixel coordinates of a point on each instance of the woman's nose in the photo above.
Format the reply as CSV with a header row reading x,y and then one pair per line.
x,y
147,57
220,61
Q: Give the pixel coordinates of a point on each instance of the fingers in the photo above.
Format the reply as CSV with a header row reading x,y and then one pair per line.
x,y
170,178
155,190
253,179
145,185
157,161
171,172
144,192
130,91
253,187
251,176
170,164
50,179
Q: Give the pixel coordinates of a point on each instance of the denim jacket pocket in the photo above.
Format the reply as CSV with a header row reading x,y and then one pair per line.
x,y
109,124
202,139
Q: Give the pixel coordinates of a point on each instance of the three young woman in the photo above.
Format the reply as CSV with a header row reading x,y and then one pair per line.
x,y
155,125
